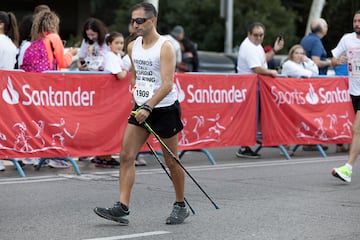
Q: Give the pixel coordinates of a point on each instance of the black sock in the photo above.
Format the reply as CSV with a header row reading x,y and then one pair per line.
x,y
124,207
181,204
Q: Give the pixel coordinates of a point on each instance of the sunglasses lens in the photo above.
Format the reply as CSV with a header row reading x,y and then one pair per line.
x,y
139,20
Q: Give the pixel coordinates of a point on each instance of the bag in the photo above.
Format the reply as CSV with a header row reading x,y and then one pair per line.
x,y
36,58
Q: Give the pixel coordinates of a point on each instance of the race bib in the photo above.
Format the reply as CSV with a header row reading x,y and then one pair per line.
x,y
143,92
354,67
354,62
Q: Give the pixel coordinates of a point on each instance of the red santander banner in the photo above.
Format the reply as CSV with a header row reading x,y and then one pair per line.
x,y
66,114
60,114
305,111
217,110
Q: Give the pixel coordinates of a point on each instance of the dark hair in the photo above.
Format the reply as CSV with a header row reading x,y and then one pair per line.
x,y
25,28
111,37
255,25
10,26
97,26
149,9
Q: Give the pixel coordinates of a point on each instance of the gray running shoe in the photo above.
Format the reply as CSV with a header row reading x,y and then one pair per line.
x,y
178,215
115,213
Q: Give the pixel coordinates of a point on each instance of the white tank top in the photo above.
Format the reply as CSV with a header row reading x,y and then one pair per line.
x,y
147,68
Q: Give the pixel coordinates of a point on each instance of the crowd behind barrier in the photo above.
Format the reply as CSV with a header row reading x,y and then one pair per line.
x,y
56,114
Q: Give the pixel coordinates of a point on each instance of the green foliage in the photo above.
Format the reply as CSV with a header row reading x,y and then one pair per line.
x,y
269,12
203,24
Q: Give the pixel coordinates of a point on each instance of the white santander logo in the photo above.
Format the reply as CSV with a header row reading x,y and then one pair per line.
x,y
9,94
311,96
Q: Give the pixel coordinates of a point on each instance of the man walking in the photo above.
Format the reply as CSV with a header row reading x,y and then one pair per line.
x,y
155,95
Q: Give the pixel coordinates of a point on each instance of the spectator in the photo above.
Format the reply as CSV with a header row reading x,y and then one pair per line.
x,y
253,59
298,65
315,50
9,42
188,49
152,54
113,62
347,50
45,28
91,58
165,31
93,47
314,47
25,32
25,37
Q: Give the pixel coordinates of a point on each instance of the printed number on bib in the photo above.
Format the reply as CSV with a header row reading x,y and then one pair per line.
x,y
144,91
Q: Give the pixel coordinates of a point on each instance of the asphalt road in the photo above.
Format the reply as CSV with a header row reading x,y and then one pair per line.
x,y
263,199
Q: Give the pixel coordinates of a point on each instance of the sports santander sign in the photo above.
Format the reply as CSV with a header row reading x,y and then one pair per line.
x,y
303,111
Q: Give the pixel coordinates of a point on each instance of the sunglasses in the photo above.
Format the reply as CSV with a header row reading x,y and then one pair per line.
x,y
139,20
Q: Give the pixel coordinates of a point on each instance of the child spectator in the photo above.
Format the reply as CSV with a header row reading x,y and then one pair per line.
x,y
112,63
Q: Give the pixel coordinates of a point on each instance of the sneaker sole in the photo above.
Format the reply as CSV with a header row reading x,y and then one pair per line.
x,y
120,221
247,156
337,175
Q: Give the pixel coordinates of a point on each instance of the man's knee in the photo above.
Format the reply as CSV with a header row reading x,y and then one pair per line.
x,y
126,157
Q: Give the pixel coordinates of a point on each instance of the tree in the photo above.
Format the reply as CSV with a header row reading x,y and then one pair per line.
x,y
203,24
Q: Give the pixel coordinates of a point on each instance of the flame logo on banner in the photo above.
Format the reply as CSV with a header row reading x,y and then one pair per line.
x,y
9,94
311,96
181,93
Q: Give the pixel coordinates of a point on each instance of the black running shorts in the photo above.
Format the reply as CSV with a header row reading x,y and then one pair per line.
x,y
165,121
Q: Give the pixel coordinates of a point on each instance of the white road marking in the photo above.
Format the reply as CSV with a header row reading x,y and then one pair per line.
x,y
136,235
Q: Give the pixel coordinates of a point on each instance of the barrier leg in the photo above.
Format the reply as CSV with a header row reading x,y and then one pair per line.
x,y
75,166
203,150
284,152
18,167
71,160
321,150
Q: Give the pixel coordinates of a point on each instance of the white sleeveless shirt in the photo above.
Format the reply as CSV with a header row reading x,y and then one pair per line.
x,y
148,78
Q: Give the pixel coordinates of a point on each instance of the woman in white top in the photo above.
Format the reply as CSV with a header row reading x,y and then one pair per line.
x,y
93,47
298,65
9,42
